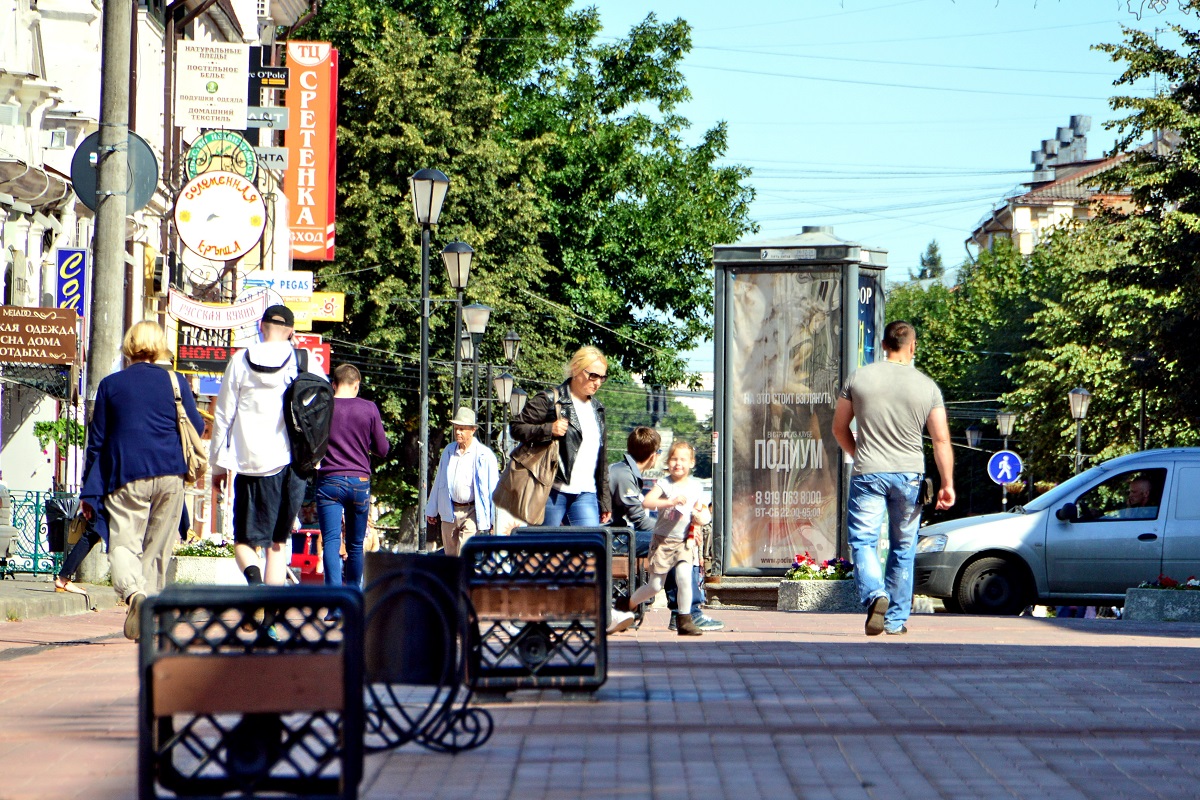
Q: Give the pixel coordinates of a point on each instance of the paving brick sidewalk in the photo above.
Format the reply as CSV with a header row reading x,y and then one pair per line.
x,y
779,705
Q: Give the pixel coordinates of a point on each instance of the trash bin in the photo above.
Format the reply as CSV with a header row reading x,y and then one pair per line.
x,y
60,510
415,619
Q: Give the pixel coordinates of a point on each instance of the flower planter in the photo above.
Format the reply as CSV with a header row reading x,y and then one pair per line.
x,y
822,596
204,570
1162,605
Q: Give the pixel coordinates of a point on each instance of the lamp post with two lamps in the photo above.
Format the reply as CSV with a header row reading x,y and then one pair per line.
x,y
475,317
427,188
1079,399
457,257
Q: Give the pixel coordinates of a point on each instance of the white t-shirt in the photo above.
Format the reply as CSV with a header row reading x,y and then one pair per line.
x,y
583,470
673,522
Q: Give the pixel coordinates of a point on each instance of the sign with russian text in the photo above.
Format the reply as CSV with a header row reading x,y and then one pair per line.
x,y
321,307
309,181
204,350
218,316
71,265
37,335
220,215
211,85
783,387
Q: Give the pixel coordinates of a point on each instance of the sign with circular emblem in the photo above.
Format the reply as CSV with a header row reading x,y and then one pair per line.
x,y
226,151
220,215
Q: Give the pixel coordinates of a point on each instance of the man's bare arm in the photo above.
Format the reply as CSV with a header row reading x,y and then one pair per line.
x,y
841,425
943,455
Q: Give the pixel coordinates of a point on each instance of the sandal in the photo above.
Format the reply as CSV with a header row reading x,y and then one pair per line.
x,y
67,586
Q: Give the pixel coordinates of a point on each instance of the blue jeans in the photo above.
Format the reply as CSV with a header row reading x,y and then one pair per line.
x,y
871,496
351,496
581,509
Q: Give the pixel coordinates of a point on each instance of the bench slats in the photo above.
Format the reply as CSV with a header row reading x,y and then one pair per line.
x,y
247,684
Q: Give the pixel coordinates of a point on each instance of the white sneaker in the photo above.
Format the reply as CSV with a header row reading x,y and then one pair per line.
x,y
621,620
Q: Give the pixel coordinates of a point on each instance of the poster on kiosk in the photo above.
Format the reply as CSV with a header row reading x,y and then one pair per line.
x,y
794,317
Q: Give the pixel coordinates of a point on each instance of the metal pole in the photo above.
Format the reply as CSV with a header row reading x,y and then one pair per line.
x,y
457,354
489,405
1079,445
475,381
423,448
1142,423
1003,488
108,242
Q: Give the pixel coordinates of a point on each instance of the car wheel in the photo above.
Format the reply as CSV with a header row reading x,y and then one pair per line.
x,y
992,586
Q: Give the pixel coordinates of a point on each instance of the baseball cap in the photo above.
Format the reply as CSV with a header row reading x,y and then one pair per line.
x,y
280,315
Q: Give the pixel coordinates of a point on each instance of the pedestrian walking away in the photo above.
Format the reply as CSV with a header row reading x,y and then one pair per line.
x,y
343,484
678,498
461,497
250,438
134,468
891,403
625,483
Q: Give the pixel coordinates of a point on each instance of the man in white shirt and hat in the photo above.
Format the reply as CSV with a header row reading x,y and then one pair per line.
x,y
461,497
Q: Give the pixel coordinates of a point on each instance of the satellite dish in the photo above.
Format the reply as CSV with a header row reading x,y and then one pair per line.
x,y
141,164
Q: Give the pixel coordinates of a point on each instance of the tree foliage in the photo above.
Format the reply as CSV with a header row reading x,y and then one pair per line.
x,y
931,264
572,176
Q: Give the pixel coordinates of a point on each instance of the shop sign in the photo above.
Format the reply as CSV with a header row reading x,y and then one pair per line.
x,y
211,85
218,316
319,353
321,307
204,350
37,335
220,215
221,150
311,139
71,265
287,285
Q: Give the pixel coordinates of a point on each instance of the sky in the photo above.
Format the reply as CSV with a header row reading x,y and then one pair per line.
x,y
897,122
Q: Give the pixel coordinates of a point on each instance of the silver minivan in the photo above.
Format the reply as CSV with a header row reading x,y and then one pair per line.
x,y
1084,542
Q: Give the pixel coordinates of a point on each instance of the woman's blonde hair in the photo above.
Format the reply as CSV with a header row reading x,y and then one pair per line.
x,y
584,357
145,341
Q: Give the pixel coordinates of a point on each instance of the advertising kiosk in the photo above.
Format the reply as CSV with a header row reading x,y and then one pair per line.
x,y
794,316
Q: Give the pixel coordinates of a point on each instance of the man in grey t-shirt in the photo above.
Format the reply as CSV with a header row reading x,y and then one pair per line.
x,y
891,402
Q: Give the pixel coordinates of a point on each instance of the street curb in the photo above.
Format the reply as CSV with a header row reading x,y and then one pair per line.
x,y
22,600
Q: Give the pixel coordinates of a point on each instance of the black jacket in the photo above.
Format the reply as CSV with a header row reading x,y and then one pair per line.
x,y
626,481
533,424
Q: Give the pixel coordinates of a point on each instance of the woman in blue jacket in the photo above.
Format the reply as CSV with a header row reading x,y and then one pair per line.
x,y
135,463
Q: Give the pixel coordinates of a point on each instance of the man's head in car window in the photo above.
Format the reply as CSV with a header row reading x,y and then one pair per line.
x,y
1139,493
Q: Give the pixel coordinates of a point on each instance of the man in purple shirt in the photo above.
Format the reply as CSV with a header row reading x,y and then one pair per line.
x,y
344,478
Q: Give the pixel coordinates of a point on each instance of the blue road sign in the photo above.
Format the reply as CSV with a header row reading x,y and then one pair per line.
x,y
1004,467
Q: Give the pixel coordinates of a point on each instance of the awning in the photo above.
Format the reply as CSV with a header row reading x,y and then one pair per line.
x,y
29,184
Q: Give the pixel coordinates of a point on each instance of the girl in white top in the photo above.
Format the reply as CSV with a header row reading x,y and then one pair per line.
x,y
678,498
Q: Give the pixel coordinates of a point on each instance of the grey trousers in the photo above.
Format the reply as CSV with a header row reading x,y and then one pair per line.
x,y
143,524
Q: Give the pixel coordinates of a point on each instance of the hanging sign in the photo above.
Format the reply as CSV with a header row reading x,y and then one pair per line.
x,y
71,264
220,215
319,353
37,335
210,315
204,350
221,150
309,181
211,85
287,285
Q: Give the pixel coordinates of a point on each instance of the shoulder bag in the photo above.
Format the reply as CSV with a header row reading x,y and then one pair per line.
x,y
525,484
195,454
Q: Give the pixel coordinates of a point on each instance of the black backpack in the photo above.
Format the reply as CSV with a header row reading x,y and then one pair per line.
x,y
307,414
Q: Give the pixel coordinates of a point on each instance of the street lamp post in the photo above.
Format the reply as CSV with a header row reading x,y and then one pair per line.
x,y
512,346
1079,399
1005,421
427,188
475,316
457,257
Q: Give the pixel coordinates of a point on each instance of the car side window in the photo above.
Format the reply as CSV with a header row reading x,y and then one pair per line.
x,y
1187,493
1136,494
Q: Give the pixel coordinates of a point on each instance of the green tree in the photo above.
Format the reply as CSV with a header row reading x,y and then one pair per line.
x,y
931,264
1161,224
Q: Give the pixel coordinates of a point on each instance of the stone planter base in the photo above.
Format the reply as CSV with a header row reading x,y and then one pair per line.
x,y
822,596
204,570
1162,605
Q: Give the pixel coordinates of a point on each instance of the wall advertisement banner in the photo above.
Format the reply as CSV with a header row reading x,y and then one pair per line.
x,y
71,265
211,85
783,387
309,181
